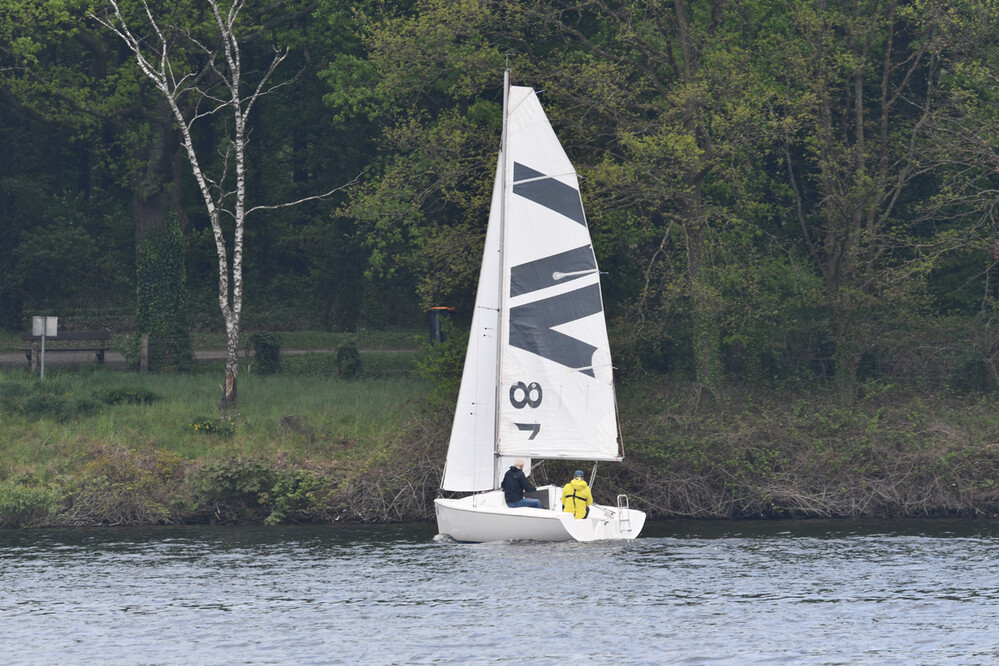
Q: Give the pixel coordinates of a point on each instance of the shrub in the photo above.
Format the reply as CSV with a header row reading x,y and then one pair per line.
x,y
37,400
128,396
266,352
348,361
223,426
297,495
231,489
442,363
120,486
24,505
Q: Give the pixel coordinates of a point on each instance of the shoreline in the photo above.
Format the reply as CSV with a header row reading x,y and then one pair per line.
x,y
95,449
430,523
131,489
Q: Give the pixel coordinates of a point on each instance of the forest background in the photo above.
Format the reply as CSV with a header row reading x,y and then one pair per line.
x,y
794,203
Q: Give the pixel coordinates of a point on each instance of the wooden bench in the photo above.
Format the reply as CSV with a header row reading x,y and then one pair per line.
x,y
67,341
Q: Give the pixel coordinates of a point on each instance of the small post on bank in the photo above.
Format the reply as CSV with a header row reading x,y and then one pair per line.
x,y
44,327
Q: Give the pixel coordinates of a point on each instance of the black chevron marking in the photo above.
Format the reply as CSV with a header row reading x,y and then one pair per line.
x,y
548,192
531,327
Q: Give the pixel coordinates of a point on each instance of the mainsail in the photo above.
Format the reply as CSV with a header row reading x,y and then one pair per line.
x,y
537,381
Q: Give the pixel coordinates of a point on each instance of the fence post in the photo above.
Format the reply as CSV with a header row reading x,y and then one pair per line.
x,y
144,354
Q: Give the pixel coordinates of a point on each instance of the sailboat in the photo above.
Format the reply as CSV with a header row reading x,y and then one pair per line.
x,y
537,381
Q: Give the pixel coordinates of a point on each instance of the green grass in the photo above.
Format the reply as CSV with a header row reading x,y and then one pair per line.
x,y
300,419
90,446
9,342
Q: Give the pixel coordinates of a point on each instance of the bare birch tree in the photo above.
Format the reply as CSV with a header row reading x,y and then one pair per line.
x,y
213,88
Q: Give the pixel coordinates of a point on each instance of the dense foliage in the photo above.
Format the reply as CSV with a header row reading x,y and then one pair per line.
x,y
781,193
161,301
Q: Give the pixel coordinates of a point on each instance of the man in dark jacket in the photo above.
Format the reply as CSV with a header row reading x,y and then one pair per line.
x,y
515,484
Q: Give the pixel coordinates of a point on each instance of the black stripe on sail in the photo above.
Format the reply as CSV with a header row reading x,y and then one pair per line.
x,y
531,327
540,273
548,192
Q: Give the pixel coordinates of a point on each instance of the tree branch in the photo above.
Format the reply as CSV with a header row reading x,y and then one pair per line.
x,y
315,197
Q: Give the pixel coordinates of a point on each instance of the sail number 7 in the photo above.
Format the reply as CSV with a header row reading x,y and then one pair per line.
x,y
527,395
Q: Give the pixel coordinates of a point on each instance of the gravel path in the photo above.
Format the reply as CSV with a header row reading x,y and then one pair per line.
x,y
115,360
112,359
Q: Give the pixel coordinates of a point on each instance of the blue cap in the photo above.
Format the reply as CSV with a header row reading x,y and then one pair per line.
x,y
579,473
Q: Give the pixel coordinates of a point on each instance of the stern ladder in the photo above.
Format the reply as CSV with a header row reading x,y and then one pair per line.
x,y
623,514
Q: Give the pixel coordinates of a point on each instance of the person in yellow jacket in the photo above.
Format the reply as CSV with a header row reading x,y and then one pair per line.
x,y
576,496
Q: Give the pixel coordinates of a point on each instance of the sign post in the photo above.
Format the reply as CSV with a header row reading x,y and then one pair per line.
x,y
44,327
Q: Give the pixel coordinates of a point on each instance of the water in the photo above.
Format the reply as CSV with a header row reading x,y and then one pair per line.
x,y
694,593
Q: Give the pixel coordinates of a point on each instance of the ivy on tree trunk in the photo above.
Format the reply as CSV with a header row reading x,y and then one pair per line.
x,y
161,300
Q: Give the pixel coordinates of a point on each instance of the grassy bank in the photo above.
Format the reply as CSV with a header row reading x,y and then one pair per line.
x,y
299,418
896,452
89,447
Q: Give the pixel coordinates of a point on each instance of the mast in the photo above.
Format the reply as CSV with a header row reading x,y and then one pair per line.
x,y
502,241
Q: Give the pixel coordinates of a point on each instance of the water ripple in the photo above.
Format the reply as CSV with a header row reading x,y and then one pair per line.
x,y
687,593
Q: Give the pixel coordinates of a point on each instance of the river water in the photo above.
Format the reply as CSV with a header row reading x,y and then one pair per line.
x,y
820,592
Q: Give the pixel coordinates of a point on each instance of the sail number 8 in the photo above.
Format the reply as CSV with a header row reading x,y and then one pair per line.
x,y
526,395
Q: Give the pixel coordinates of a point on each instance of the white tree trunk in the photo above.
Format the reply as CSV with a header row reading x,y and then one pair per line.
x,y
214,89
211,90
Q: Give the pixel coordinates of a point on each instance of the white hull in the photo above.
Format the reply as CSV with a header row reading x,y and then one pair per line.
x,y
486,517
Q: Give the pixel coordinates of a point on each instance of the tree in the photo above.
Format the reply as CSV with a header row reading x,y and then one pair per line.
x,y
209,87
676,114
863,91
74,128
432,79
656,105
959,219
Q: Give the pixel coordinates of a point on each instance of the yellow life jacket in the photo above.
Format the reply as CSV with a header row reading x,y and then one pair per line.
x,y
576,497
